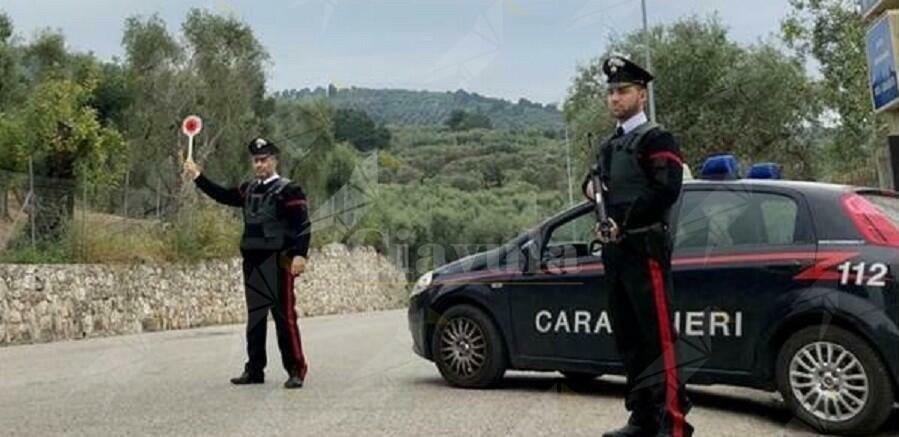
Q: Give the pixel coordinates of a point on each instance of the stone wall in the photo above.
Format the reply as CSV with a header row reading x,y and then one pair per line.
x,y
40,303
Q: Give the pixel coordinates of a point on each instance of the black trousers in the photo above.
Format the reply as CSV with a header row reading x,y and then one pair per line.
x,y
638,271
269,288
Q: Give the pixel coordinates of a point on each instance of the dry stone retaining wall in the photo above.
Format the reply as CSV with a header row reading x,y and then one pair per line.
x,y
40,303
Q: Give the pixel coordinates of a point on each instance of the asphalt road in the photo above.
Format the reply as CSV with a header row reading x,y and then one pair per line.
x,y
363,380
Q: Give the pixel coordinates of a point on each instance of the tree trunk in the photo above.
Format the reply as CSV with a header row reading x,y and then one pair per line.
x,y
54,207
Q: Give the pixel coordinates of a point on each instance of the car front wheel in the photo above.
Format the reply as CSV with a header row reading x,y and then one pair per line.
x,y
468,349
832,380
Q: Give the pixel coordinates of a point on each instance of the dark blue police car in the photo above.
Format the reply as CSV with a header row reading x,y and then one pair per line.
x,y
779,284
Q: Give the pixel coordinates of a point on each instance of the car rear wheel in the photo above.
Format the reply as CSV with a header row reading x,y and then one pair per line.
x,y
468,349
832,380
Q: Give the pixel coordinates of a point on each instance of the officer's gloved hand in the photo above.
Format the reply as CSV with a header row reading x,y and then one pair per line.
x,y
192,169
616,231
607,231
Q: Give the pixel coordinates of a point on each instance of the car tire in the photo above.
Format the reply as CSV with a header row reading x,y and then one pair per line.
x,y
834,381
468,349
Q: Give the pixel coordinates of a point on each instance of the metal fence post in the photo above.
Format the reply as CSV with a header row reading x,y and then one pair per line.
x,y
125,200
4,199
32,199
84,207
158,198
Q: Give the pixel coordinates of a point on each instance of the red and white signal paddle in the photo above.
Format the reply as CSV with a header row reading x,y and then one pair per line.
x,y
191,126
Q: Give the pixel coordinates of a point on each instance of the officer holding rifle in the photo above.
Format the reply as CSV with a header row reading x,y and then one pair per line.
x,y
635,182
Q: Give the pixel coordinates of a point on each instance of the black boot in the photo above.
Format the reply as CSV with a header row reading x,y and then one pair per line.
x,y
686,431
247,378
639,424
293,381
630,430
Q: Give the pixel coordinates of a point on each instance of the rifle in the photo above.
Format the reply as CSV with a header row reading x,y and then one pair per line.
x,y
602,215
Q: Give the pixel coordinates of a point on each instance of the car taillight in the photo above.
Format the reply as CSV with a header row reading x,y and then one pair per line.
x,y
870,221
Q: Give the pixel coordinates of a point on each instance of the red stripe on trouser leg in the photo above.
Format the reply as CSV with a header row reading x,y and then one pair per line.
x,y
291,316
672,401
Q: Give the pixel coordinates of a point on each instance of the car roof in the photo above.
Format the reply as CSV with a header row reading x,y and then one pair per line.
x,y
802,186
818,190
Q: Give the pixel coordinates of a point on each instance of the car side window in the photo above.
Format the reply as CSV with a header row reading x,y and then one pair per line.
x,y
571,239
705,217
722,219
578,230
779,214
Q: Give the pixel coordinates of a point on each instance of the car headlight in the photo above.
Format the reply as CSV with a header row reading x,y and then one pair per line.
x,y
423,282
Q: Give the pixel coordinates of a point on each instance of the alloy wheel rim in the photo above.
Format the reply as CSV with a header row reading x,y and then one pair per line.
x,y
463,346
829,381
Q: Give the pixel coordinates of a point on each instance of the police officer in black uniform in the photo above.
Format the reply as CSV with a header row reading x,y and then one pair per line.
x,y
640,167
274,247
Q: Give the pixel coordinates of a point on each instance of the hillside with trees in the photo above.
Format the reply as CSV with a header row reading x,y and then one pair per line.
x,y
421,108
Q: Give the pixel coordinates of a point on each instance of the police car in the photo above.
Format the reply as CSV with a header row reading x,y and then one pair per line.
x,y
779,285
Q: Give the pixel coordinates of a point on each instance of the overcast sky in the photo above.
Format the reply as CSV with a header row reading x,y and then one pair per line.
x,y
501,48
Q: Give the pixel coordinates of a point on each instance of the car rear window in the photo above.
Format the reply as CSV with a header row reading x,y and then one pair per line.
x,y
727,219
887,204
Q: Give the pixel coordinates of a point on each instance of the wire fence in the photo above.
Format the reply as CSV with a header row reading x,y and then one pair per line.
x,y
54,215
65,220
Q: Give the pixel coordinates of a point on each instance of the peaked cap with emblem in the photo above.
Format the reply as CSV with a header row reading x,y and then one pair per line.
x,y
261,146
621,72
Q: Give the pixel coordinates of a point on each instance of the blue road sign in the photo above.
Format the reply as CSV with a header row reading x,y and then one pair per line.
x,y
882,65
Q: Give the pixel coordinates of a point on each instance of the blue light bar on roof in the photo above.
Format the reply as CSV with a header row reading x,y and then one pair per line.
x,y
720,167
765,170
